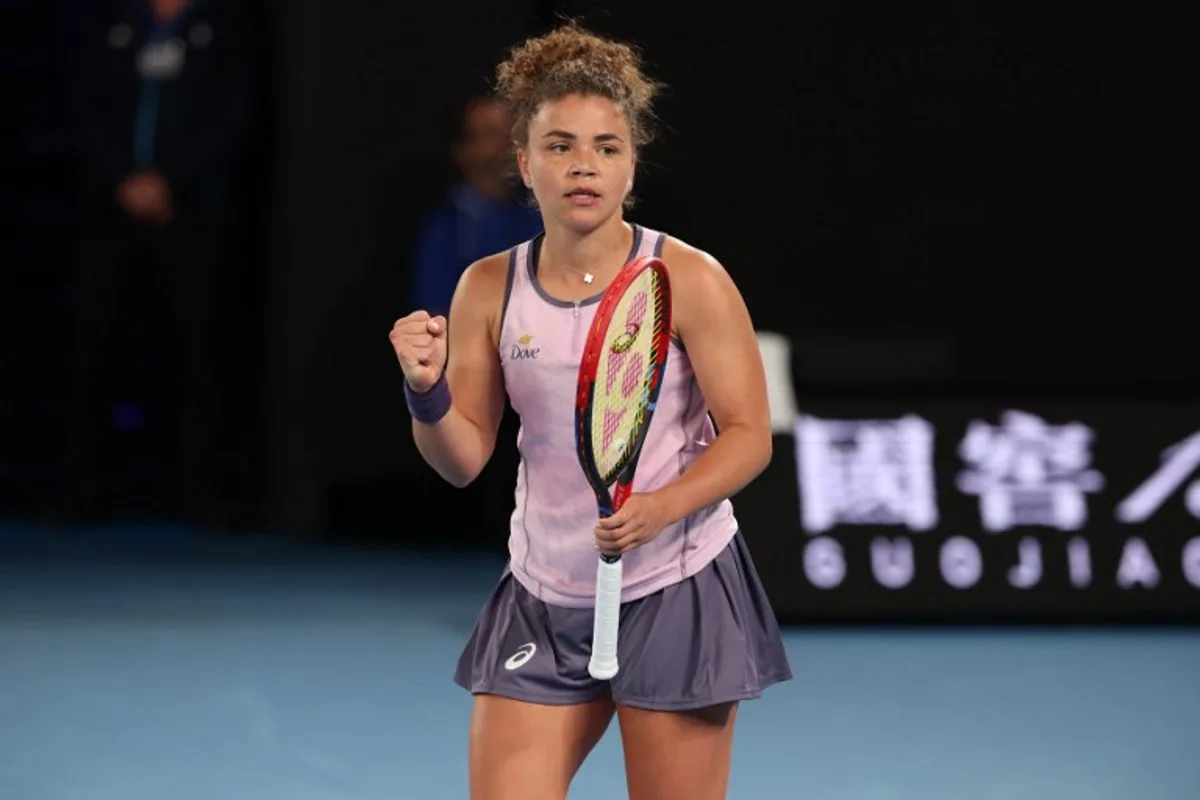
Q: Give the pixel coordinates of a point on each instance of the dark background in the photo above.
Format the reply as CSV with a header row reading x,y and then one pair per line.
x,y
972,203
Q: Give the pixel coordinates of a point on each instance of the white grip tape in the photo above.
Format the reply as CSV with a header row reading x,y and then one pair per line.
x,y
603,664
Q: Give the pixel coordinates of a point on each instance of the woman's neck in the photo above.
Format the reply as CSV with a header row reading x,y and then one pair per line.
x,y
598,253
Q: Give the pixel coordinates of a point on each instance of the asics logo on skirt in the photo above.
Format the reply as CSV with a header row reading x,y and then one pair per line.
x,y
521,657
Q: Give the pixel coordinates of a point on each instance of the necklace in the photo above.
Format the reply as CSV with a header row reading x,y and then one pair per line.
x,y
587,276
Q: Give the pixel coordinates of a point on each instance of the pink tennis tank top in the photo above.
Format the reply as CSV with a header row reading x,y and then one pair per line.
x,y
551,541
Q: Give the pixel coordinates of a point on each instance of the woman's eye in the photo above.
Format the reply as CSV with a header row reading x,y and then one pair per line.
x,y
608,151
558,148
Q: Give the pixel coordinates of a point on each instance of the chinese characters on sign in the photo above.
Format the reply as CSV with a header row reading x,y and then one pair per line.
x,y
1180,462
866,472
1027,472
1024,471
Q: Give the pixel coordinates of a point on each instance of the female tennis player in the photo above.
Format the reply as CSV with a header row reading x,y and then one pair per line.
x,y
697,635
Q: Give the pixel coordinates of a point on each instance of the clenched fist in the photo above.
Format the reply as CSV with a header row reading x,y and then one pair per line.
x,y
420,344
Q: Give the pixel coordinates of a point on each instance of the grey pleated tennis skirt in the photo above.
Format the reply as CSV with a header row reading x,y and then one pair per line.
x,y
709,639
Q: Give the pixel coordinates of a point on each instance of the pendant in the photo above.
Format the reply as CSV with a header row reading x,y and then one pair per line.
x,y
587,277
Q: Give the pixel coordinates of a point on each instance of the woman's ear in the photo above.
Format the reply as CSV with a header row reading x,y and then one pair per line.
x,y
523,167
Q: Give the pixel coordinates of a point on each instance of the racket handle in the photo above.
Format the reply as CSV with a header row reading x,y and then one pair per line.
x,y
603,664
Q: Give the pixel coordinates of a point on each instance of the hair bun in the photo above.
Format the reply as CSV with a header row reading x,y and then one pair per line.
x,y
571,60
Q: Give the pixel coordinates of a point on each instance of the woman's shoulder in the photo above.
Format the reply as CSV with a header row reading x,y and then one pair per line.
x,y
687,262
701,288
482,285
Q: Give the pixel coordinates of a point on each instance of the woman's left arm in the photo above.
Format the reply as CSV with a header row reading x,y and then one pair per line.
x,y
715,327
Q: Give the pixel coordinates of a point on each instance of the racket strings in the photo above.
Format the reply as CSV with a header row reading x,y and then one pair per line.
x,y
628,358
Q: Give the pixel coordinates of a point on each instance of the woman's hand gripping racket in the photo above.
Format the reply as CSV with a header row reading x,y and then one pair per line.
x,y
619,378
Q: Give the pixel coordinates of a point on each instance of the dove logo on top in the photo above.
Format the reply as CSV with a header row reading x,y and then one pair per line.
x,y
523,350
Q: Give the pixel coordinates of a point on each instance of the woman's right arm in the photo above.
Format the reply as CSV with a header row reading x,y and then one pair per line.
x,y
459,445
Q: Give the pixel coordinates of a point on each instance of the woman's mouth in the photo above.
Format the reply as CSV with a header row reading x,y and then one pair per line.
x,y
583,197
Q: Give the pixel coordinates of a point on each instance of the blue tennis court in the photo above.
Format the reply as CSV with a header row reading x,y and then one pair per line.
x,y
174,667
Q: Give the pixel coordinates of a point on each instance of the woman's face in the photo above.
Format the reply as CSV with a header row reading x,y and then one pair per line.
x,y
578,160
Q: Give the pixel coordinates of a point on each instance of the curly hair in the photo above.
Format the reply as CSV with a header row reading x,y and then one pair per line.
x,y
571,60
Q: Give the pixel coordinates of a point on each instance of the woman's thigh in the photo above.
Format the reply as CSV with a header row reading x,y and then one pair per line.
x,y
678,755
528,751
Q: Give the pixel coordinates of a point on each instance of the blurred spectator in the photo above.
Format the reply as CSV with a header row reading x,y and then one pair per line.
x,y
167,102
487,212
483,214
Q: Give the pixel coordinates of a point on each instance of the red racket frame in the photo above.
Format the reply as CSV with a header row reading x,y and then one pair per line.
x,y
590,364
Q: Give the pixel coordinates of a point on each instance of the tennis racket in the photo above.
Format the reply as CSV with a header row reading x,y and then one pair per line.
x,y
624,359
